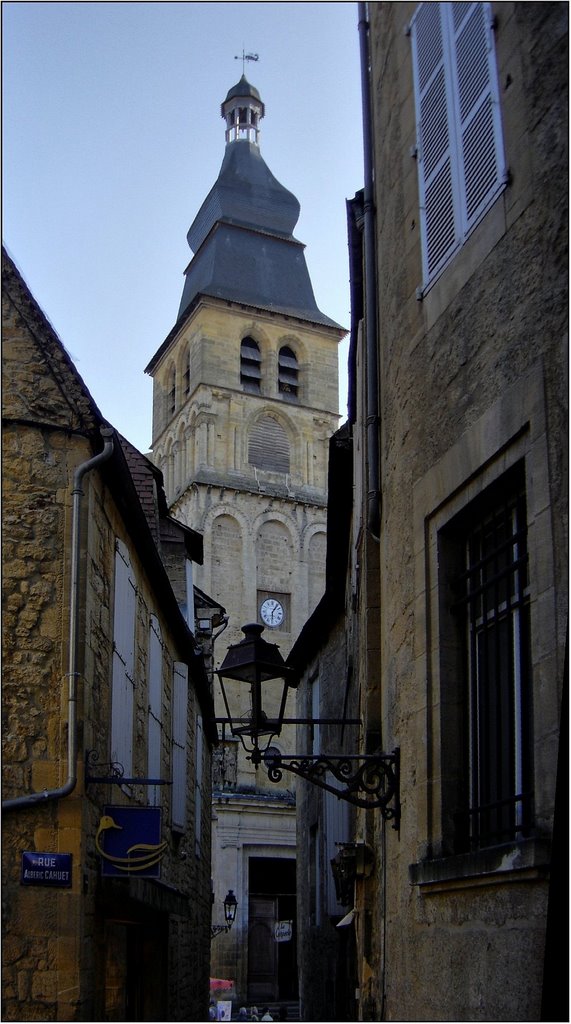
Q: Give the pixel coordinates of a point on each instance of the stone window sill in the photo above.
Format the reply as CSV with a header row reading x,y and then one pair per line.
x,y
526,860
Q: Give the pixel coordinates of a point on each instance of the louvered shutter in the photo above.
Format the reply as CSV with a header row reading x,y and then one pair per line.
x,y
461,163
155,707
179,744
337,832
480,155
122,684
438,186
198,788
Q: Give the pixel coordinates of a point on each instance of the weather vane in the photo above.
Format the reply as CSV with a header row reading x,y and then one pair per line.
x,y
246,56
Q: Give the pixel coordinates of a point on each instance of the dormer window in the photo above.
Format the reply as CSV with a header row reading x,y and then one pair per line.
x,y
250,365
288,373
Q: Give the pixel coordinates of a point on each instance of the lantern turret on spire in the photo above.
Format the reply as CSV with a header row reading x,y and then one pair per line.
x,y
243,110
242,236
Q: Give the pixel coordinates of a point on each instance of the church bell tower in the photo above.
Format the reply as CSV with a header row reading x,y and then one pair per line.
x,y
245,399
245,392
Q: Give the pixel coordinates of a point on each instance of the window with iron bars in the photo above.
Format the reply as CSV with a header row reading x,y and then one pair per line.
x,y
492,611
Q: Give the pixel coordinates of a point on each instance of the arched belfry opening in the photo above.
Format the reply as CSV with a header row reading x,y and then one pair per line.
x,y
243,110
250,365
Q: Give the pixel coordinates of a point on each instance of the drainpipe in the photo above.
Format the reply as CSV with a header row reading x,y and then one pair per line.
x,y
373,420
77,494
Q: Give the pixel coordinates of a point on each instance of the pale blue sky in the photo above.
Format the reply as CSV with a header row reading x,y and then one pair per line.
x,y
113,137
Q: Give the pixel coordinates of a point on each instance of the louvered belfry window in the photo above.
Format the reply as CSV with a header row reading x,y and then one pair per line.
x,y
460,152
287,372
250,365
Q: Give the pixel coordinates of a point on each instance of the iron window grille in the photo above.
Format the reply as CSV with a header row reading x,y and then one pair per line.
x,y
495,613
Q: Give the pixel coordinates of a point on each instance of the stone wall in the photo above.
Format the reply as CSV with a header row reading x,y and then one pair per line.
x,y
56,941
472,379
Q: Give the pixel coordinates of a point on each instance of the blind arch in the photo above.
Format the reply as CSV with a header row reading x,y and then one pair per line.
x,y
268,446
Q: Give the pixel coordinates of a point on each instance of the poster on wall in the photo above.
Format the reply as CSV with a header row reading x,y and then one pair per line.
x,y
283,931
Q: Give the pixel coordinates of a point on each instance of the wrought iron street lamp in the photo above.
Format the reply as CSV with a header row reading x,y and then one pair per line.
x,y
367,780
256,662
230,908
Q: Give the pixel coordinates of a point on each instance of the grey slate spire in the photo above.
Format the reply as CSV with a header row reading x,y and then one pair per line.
x,y
242,236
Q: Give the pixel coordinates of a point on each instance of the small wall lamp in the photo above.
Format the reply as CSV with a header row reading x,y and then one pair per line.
x,y
230,908
369,780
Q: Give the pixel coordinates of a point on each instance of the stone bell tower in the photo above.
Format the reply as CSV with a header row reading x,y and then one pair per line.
x,y
245,399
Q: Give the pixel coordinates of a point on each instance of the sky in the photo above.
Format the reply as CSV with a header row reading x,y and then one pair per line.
x,y
113,137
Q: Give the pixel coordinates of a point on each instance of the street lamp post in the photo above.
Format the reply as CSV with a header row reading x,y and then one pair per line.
x,y
367,780
230,907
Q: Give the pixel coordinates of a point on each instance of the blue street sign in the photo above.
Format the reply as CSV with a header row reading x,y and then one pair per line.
x,y
53,869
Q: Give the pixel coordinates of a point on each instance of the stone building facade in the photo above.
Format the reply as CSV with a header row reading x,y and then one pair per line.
x,y
455,595
100,668
245,398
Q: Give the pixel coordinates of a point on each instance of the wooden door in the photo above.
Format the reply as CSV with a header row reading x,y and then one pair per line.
x,y
262,955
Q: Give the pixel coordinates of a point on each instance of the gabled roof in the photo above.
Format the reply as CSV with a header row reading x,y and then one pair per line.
x,y
65,400
135,484
148,481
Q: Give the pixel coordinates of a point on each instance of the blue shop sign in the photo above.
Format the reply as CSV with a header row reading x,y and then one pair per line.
x,y
128,841
53,869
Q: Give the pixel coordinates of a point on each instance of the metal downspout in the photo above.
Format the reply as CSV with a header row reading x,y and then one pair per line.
x,y
77,493
372,366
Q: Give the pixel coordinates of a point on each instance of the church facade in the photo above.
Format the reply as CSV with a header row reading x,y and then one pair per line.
x,y
245,399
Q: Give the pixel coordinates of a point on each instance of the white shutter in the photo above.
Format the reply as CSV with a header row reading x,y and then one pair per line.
x,y
155,683
438,188
189,595
315,713
179,744
338,820
198,787
122,684
480,146
461,165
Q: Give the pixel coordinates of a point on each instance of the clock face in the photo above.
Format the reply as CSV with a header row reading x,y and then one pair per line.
x,y
272,612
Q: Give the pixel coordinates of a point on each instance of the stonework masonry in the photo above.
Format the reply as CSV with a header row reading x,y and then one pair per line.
x,y
472,399
68,952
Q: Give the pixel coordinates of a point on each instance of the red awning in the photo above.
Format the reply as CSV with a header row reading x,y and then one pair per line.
x,y
220,984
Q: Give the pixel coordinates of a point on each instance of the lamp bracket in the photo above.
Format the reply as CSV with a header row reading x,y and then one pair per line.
x,y
116,775
371,780
217,929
